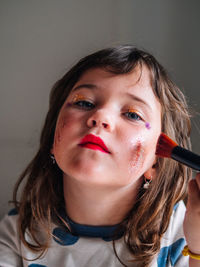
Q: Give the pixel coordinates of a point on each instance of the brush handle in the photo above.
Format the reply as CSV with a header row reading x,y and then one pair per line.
x,y
186,157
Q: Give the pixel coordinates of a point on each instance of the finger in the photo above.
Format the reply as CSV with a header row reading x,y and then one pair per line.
x,y
194,194
197,178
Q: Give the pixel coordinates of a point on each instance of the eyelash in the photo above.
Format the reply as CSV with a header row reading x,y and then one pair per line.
x,y
83,104
87,105
136,117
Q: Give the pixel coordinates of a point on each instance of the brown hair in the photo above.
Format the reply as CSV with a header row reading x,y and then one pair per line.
x,y
147,221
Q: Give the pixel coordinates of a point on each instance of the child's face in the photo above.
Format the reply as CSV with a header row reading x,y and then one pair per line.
x,y
120,109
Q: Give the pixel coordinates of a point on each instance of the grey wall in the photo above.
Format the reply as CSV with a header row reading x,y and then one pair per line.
x,y
41,39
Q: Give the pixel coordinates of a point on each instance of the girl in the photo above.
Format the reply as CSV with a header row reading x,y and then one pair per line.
x,y
95,194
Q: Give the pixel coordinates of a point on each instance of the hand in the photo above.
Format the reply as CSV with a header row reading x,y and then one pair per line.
x,y
191,223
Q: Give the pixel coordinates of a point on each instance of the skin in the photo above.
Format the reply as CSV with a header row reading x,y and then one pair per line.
x,y
107,184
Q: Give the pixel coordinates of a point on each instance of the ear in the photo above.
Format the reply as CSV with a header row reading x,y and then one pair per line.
x,y
52,150
150,174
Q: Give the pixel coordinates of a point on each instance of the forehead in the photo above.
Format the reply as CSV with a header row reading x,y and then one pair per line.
x,y
99,78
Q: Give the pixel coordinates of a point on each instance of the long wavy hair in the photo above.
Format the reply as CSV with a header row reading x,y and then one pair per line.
x,y
41,195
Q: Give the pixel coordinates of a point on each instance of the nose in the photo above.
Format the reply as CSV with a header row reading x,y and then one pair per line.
x,y
101,119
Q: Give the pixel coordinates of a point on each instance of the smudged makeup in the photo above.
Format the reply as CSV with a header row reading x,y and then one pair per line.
x,y
137,155
147,125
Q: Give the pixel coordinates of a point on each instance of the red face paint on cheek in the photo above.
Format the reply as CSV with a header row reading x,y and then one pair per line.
x,y
137,156
63,123
59,129
57,137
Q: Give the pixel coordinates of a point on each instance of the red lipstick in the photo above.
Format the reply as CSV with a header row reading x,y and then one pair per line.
x,y
93,142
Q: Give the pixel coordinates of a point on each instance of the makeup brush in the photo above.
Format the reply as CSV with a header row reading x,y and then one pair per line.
x,y
167,148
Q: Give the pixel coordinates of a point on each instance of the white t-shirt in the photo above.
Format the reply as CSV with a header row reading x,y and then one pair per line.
x,y
86,251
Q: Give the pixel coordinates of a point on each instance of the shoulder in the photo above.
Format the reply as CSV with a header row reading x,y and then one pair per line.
x,y
175,227
179,209
173,240
176,221
8,225
9,240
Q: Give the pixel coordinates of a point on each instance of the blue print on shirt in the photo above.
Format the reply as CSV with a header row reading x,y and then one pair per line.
x,y
176,206
12,212
172,253
64,237
36,265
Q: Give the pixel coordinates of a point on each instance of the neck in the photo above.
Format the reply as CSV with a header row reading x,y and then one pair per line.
x,y
94,205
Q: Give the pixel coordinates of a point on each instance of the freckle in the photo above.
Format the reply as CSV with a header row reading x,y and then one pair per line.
x,y
147,125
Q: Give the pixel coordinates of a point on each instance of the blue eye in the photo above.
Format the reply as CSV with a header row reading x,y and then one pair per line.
x,y
83,104
133,116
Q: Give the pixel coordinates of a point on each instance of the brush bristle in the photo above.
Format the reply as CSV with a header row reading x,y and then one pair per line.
x,y
165,146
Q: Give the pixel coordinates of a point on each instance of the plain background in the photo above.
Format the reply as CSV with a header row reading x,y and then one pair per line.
x,y
41,39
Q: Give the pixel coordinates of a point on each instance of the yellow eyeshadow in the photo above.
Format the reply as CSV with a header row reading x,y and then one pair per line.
x,y
78,97
133,110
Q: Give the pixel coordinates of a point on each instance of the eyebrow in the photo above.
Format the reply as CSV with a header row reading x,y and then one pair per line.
x,y
85,85
93,86
140,100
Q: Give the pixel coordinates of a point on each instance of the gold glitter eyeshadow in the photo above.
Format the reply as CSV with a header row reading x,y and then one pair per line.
x,y
133,110
77,98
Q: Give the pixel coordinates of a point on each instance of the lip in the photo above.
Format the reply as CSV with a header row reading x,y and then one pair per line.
x,y
93,142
